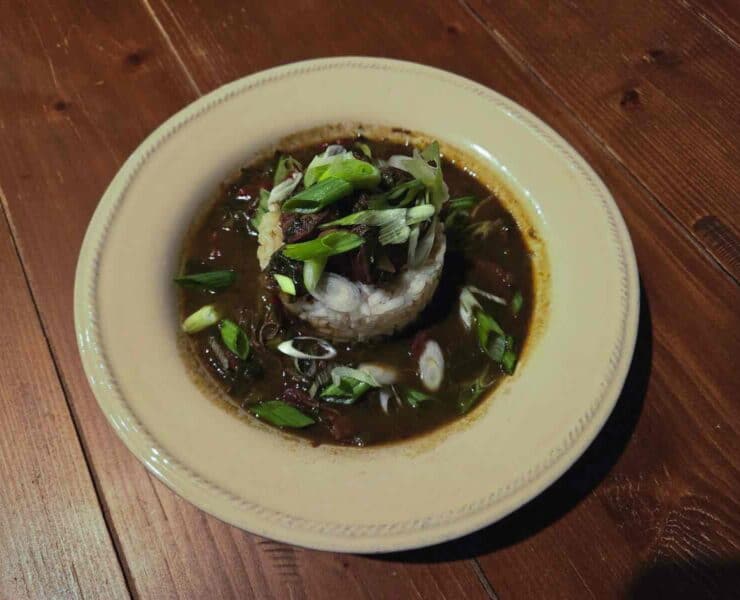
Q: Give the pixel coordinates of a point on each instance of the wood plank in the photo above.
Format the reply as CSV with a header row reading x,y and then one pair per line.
x,y
724,15
52,533
657,85
85,84
658,511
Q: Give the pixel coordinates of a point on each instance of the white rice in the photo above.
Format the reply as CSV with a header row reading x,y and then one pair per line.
x,y
382,310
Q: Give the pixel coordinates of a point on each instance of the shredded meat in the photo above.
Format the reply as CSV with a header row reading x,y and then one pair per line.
x,y
298,227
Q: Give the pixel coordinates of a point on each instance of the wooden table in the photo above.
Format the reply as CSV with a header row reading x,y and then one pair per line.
x,y
647,91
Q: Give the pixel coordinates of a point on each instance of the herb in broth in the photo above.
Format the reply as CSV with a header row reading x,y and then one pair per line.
x,y
371,295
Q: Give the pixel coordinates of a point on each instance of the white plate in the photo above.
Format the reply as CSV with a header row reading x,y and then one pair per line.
x,y
348,499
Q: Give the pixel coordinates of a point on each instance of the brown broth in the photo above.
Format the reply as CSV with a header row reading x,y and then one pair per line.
x,y
220,242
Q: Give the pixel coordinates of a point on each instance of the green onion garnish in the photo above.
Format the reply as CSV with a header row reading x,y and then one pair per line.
x,y
396,232
286,284
469,395
285,165
364,148
281,414
362,175
313,268
516,303
508,361
369,217
318,196
201,319
346,391
485,324
497,348
463,203
336,242
213,280
415,397
417,214
234,338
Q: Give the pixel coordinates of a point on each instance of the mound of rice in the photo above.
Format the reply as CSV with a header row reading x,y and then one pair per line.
x,y
373,310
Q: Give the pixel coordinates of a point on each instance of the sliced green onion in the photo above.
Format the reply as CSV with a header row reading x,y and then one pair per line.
x,y
516,303
201,319
264,199
474,391
347,391
417,214
321,162
213,280
497,348
335,242
463,203
375,218
468,306
313,268
281,414
289,348
415,397
234,338
362,175
338,373
318,196
286,284
285,165
485,325
396,232
485,294
508,361
364,148
430,175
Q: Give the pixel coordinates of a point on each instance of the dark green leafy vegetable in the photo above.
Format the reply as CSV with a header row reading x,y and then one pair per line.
x,y
234,338
318,196
213,280
336,242
281,414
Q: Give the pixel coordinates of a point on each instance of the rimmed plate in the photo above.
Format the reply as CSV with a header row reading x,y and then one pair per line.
x,y
348,499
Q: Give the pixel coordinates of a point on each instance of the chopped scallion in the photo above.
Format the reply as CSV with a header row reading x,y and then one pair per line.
x,y
284,166
335,242
318,197
234,338
213,280
281,414
362,175
286,284
201,319
312,271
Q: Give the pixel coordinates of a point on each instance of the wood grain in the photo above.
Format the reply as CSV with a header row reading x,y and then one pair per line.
x,y
654,509
724,15
53,538
82,84
88,85
655,83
